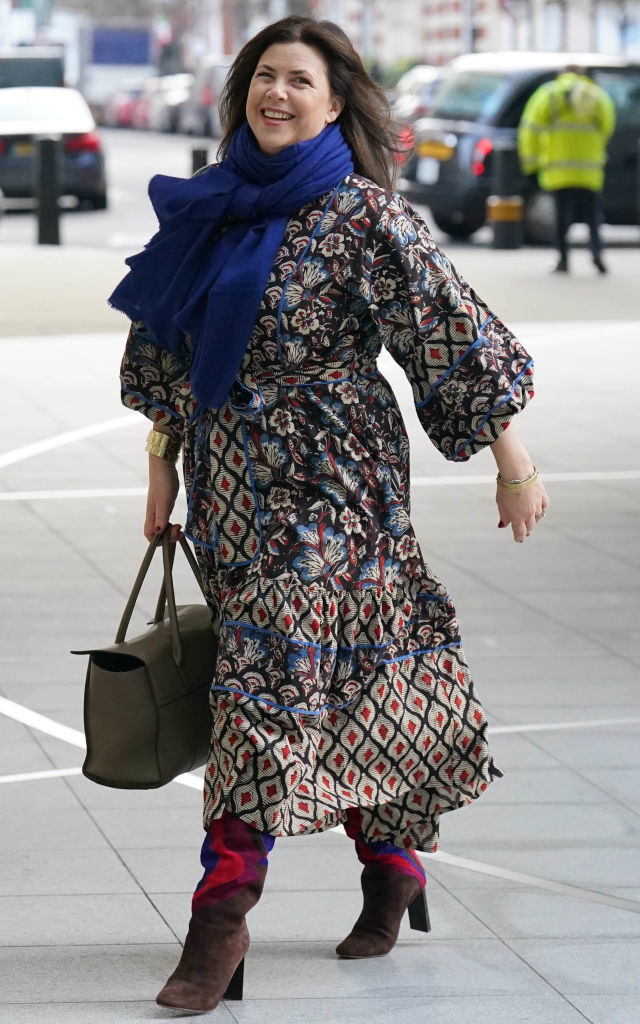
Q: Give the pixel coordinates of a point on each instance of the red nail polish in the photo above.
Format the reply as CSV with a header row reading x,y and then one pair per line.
x,y
501,525
158,528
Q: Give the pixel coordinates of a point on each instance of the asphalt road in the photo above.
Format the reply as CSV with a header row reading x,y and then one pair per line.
x,y
132,158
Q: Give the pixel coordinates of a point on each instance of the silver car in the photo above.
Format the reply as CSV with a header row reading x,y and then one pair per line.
x,y
29,112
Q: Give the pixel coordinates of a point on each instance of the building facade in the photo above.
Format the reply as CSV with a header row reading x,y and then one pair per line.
x,y
434,31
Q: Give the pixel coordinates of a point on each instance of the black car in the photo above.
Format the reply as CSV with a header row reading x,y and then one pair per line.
x,y
33,111
477,109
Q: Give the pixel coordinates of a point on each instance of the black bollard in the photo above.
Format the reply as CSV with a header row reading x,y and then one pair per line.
x,y
505,211
46,190
199,159
638,181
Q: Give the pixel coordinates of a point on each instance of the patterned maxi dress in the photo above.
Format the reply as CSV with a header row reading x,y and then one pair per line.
x,y
341,679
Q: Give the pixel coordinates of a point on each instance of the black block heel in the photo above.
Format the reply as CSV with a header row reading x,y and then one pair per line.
x,y
419,913
234,988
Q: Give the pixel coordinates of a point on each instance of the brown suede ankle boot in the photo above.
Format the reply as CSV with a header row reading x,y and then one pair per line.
x,y
215,945
387,894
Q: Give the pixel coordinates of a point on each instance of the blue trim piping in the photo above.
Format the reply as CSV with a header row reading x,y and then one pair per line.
x,y
494,409
201,543
480,340
231,623
156,405
415,654
283,707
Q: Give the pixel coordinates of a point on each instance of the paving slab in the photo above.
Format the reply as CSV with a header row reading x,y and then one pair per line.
x,y
588,967
81,920
64,828
493,1009
536,915
64,872
609,1009
106,1012
69,974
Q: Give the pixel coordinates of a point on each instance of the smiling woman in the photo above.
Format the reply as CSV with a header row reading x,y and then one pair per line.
x,y
340,693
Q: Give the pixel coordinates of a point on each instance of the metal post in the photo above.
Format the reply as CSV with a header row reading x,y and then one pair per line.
x,y
199,159
638,181
504,210
46,190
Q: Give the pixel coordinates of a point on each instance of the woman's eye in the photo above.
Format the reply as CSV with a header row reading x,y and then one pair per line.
x,y
305,81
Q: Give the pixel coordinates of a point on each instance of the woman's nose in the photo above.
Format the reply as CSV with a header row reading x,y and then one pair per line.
x,y
277,89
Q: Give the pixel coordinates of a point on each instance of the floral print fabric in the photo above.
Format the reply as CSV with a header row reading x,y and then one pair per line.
x,y
341,680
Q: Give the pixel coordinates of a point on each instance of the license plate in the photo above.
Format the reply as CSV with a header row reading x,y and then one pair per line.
x,y
430,147
23,149
427,170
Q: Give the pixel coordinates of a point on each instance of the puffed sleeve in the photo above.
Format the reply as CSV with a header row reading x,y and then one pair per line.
x,y
468,372
155,382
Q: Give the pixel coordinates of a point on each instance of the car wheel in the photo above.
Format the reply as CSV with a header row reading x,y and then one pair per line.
x,y
539,219
98,201
461,230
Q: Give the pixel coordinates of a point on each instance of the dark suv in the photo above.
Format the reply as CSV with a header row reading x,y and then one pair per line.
x,y
478,107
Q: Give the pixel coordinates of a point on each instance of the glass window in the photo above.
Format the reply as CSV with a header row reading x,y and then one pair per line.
x,y
30,71
623,86
470,96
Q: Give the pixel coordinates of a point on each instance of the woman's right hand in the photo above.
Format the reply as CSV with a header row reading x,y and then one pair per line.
x,y
164,485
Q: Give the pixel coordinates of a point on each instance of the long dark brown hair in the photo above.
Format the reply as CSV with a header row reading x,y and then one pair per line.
x,y
365,120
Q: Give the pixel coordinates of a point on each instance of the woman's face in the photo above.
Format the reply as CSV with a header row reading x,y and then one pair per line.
x,y
289,97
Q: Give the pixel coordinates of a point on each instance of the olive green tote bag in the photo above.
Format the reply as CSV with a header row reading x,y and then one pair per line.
x,y
146,700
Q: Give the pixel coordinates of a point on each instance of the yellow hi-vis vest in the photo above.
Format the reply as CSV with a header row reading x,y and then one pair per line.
x,y
564,131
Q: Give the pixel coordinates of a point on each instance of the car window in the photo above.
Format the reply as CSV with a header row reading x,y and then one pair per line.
x,y
16,71
514,108
470,96
623,86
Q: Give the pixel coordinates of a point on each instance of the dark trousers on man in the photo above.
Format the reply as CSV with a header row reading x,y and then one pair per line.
x,y
578,205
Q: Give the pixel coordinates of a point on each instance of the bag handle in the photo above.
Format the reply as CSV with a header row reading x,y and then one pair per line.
x,y
167,594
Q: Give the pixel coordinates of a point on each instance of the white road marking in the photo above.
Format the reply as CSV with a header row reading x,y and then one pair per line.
x,y
533,881
595,723
562,888
47,444
34,720
597,476
129,492
72,495
55,773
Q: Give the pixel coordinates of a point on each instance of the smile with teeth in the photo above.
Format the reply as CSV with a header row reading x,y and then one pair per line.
x,y
277,115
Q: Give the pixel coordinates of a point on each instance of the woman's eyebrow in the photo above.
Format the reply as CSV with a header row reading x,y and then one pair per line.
x,y
300,71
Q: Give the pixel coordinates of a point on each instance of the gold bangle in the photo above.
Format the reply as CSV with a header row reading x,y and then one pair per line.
x,y
162,446
515,486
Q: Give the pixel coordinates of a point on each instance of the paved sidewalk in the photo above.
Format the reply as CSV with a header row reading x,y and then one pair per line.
x,y
535,900
58,290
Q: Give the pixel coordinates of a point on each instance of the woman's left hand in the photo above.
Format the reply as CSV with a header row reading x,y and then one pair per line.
x,y
522,510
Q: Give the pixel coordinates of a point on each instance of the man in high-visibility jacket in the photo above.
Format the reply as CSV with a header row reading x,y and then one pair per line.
x,y
563,137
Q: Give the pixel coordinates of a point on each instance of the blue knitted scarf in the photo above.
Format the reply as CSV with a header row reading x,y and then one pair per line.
x,y
205,271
